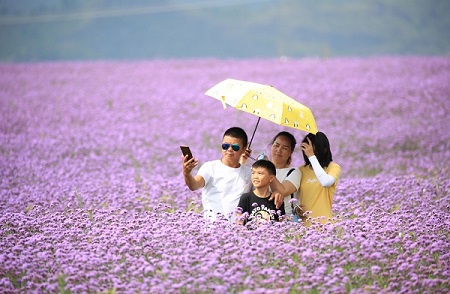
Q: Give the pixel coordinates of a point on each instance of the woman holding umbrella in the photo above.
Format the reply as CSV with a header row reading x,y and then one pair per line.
x,y
287,178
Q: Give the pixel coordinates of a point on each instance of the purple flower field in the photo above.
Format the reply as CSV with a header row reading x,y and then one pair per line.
x,y
92,199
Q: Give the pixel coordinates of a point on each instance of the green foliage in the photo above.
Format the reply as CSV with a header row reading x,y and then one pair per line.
x,y
62,284
15,278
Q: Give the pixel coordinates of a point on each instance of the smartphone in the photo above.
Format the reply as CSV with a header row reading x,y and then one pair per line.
x,y
186,151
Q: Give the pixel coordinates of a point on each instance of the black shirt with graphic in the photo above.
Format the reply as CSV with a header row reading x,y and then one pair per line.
x,y
259,209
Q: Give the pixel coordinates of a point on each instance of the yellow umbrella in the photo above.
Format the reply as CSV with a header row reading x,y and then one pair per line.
x,y
265,102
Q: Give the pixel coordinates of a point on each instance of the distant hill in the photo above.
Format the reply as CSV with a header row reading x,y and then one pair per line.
x,y
136,29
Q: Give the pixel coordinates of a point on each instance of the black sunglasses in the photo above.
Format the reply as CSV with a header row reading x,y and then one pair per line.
x,y
235,147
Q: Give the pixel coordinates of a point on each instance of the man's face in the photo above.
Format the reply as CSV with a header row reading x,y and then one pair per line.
x,y
231,155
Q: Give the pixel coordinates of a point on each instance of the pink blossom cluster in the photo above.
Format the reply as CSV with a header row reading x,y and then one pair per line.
x,y
92,199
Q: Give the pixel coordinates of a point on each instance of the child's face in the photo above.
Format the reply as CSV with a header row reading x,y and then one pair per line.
x,y
261,177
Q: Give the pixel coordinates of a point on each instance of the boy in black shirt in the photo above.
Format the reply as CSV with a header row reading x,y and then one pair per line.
x,y
255,206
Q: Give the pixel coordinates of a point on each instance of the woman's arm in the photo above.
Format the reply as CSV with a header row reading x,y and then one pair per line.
x,y
325,179
285,188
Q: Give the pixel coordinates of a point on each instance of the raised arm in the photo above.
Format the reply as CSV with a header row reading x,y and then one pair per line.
x,y
325,179
192,182
245,156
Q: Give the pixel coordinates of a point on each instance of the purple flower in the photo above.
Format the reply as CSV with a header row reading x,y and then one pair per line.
x,y
92,198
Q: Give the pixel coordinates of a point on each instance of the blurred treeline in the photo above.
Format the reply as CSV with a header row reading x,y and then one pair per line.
x,y
138,29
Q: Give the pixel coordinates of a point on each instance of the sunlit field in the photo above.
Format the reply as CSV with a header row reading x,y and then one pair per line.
x,y
92,199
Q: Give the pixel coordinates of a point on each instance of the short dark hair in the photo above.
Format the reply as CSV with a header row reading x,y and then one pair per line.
x,y
268,165
237,133
321,147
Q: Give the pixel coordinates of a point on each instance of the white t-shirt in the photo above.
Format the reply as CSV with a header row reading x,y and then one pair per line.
x,y
294,178
224,186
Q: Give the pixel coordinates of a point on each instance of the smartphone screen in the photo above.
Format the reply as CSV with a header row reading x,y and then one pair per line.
x,y
186,151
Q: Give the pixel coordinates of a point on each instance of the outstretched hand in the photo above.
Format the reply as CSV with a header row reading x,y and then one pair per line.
x,y
279,199
189,165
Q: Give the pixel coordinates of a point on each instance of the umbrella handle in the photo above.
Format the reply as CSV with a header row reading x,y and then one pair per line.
x,y
257,123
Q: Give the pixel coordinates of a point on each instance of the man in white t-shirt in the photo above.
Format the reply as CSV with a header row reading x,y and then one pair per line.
x,y
222,181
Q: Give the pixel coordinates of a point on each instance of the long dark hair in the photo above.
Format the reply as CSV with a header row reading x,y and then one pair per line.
x,y
321,147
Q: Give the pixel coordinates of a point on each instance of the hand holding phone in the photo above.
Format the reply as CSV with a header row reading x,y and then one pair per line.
x,y
186,151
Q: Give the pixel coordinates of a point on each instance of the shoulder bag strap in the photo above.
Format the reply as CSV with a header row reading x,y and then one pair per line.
x,y
292,195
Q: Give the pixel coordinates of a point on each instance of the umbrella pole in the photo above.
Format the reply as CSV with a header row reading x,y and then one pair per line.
x,y
254,131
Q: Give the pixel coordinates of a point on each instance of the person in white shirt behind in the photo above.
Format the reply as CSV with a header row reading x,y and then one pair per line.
x,y
287,181
288,178
223,181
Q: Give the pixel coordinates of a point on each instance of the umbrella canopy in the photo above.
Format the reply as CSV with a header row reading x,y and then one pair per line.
x,y
265,102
